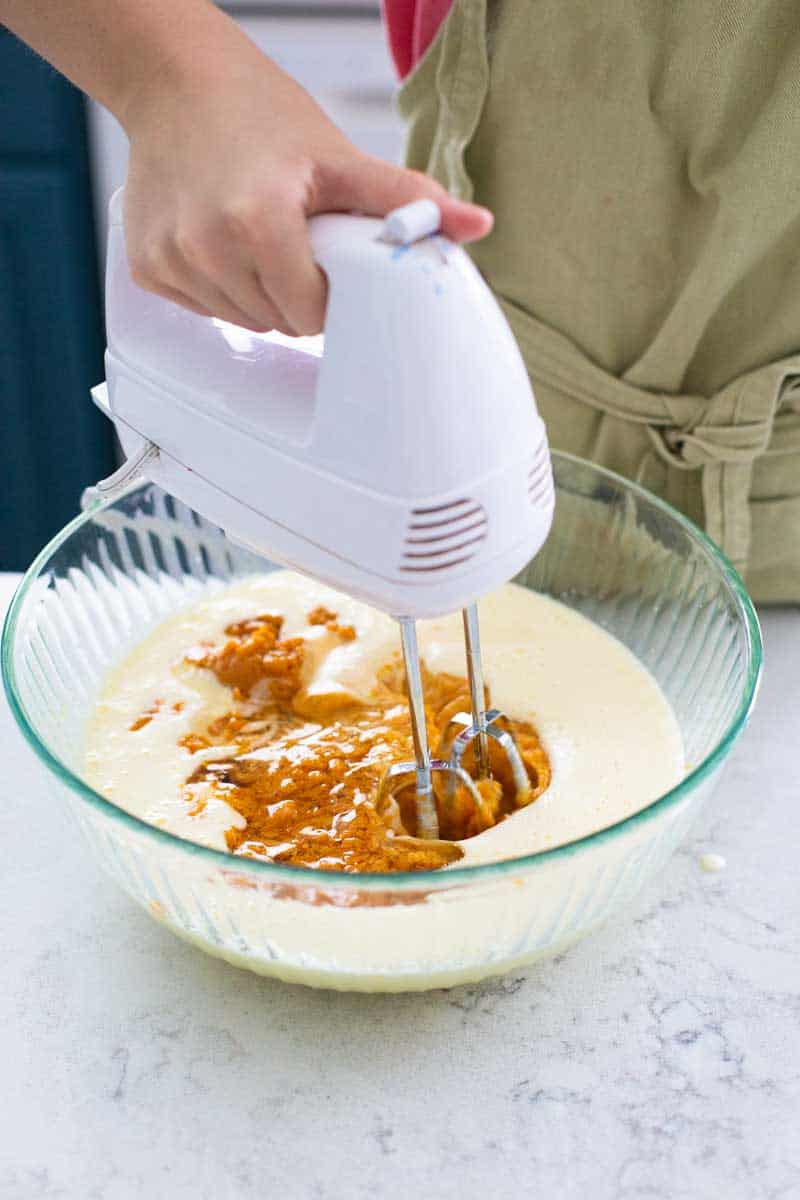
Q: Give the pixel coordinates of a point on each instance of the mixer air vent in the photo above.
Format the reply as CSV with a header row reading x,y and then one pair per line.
x,y
444,535
540,478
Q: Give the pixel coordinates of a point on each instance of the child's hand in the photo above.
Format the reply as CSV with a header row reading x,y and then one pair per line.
x,y
225,168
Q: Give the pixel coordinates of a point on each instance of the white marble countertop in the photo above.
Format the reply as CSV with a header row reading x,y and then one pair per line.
x,y
658,1060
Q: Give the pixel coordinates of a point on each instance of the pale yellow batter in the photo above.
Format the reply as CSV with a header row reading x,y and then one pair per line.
x,y
612,739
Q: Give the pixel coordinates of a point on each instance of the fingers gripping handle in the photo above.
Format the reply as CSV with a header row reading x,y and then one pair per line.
x,y
329,233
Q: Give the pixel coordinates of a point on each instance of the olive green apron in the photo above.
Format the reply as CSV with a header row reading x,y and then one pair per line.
x,y
641,160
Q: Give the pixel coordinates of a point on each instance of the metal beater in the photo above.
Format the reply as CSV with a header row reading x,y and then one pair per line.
x,y
476,727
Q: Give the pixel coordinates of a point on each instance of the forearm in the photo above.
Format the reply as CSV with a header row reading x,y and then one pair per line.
x,y
118,51
229,156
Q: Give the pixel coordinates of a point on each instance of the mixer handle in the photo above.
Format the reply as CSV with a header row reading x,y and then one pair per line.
x,y
410,223
414,340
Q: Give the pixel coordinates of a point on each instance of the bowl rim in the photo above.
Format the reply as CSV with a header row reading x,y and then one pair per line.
x,y
400,881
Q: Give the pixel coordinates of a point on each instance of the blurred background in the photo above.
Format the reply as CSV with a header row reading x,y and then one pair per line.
x,y
61,157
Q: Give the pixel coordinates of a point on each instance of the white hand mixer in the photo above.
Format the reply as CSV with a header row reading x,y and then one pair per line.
x,y
406,465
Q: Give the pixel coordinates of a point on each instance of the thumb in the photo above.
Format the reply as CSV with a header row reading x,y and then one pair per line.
x,y
375,187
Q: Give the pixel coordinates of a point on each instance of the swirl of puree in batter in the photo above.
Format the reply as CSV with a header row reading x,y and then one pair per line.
x,y
262,720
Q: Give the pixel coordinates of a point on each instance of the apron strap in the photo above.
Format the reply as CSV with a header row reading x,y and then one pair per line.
x,y
462,81
721,435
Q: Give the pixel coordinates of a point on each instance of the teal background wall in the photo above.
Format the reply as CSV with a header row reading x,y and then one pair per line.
x,y
52,440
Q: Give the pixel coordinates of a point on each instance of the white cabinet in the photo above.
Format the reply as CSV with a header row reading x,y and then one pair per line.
x,y
342,60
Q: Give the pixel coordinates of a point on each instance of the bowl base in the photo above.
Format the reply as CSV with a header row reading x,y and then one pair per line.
x,y
369,981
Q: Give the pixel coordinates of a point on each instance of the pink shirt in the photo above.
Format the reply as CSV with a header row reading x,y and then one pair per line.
x,y
412,26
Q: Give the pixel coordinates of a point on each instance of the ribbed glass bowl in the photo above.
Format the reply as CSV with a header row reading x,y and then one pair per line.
x,y
617,554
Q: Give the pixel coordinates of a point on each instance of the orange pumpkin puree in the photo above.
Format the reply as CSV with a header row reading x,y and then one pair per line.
x,y
307,781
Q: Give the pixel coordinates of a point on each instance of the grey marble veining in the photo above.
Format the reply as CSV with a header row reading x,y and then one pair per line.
x,y
659,1060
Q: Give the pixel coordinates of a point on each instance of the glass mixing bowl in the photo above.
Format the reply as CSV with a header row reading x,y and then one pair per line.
x,y
617,554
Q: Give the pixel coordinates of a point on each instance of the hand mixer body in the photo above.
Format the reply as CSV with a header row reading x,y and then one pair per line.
x,y
406,465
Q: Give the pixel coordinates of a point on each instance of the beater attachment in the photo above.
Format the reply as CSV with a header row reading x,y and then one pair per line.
x,y
420,772
484,724
478,727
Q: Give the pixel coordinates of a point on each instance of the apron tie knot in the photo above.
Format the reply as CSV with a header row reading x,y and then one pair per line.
x,y
688,449
720,436
723,440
